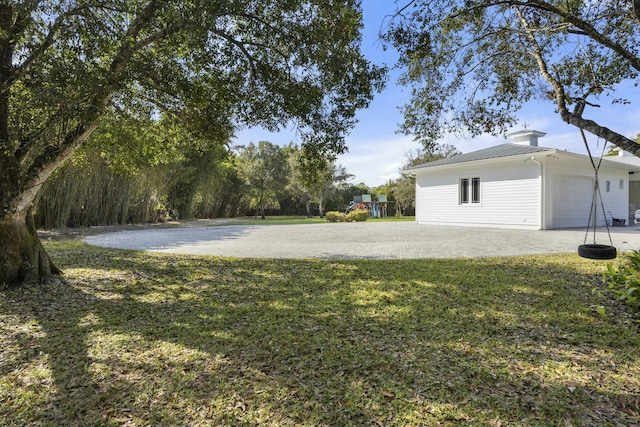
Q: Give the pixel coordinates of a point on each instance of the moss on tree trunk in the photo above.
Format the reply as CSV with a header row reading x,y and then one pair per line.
x,y
22,257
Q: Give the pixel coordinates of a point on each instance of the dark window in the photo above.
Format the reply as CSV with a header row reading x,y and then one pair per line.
x,y
469,190
464,190
475,190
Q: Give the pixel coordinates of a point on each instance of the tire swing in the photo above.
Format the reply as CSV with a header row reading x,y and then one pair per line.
x,y
595,250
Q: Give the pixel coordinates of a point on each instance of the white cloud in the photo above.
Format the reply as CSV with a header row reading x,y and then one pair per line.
x,y
376,161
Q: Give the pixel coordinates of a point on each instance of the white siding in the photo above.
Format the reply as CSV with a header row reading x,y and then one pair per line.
x,y
572,198
510,195
553,192
572,184
616,201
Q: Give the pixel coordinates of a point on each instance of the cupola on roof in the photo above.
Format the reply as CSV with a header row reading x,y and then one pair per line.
x,y
526,137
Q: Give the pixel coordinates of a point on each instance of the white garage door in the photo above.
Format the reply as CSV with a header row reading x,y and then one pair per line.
x,y
572,201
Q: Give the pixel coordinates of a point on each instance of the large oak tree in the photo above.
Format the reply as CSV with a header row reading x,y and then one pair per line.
x,y
472,64
220,64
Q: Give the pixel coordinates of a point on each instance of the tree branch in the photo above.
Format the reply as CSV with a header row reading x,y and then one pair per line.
x,y
27,145
241,45
587,28
157,37
127,46
605,133
400,11
18,28
576,118
583,27
558,88
48,160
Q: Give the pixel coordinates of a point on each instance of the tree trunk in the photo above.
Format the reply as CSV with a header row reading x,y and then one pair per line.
x,y
22,257
222,206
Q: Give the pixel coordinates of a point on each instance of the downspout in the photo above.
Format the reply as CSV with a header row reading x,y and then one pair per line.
x,y
542,193
543,198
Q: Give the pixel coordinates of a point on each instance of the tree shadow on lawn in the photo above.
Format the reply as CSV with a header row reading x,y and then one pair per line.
x,y
170,340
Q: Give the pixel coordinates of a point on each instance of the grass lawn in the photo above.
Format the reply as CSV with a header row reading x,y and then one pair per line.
x,y
136,339
273,220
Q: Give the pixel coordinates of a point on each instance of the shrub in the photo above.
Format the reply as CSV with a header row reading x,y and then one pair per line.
x,y
358,215
624,281
335,216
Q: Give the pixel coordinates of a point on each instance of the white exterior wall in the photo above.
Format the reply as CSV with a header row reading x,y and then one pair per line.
x,y
514,194
634,195
510,195
571,183
616,202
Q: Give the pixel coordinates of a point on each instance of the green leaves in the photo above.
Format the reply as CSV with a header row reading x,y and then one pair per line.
x,y
265,168
216,66
624,280
473,64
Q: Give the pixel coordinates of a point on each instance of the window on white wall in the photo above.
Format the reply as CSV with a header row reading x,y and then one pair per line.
x,y
475,190
464,190
608,186
622,184
469,190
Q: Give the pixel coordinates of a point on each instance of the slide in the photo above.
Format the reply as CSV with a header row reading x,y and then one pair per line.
x,y
350,207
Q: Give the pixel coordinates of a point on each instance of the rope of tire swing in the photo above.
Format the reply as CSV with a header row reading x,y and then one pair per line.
x,y
596,251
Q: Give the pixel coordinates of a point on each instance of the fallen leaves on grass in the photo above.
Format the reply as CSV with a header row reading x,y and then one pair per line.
x,y
141,339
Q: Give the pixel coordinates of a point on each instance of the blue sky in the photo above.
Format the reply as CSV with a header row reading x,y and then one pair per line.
x,y
376,151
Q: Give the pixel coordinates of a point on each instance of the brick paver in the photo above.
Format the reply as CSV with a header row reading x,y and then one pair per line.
x,y
366,240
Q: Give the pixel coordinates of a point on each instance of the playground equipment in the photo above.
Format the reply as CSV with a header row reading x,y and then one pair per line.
x,y
376,208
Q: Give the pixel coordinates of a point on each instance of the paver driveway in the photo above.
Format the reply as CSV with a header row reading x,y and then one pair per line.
x,y
366,240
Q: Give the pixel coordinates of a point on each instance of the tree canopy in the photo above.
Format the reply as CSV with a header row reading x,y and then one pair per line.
x,y
265,168
472,64
214,65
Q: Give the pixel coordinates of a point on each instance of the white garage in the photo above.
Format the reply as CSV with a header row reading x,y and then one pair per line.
x,y
572,197
519,185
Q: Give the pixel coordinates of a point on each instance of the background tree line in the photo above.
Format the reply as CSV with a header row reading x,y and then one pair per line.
x,y
136,170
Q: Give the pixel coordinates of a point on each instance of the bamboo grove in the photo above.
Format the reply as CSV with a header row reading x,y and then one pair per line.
x,y
125,175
